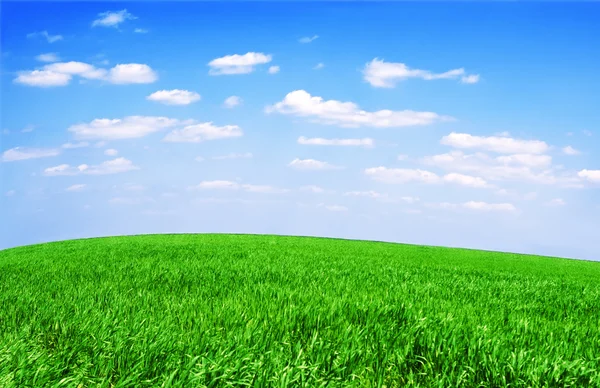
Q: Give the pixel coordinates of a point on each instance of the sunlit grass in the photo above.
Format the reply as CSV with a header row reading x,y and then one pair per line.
x,y
235,310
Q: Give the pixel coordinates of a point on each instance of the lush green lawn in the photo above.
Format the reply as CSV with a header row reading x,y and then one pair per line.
x,y
235,310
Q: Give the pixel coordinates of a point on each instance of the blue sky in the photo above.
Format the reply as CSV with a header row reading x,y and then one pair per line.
x,y
467,124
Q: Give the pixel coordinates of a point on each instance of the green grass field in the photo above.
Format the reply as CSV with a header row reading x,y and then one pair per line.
x,y
269,311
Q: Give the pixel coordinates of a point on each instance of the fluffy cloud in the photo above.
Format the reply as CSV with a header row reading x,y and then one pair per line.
x,y
466,180
42,78
48,57
348,114
46,35
308,39
61,73
401,175
502,145
130,127
274,69
174,97
365,142
20,153
387,74
519,167
368,194
112,19
568,150
132,73
311,164
313,189
590,175
232,101
198,133
114,166
237,64
77,187
111,152
229,185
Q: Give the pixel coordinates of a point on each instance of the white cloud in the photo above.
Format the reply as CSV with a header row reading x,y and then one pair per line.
x,y
334,208
568,150
313,189
369,194
112,19
365,142
232,101
319,66
470,79
503,145
308,39
132,73
174,97
587,133
61,73
20,153
111,152
237,64
383,74
311,164
529,160
114,166
48,57
274,69
229,185
77,187
140,31
401,175
246,155
512,167
486,207
265,189
590,175
348,114
130,127
28,128
402,157
199,159
198,133
75,145
42,78
10,193
466,180
555,202
45,34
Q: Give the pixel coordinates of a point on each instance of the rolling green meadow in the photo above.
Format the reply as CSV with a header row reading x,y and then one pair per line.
x,y
273,311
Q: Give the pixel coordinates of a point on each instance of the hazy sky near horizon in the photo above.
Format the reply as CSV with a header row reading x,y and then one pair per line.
x,y
468,124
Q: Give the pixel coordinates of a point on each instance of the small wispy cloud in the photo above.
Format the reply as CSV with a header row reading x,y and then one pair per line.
x,y
308,39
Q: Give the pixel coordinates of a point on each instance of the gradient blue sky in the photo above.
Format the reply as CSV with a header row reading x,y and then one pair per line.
x,y
506,159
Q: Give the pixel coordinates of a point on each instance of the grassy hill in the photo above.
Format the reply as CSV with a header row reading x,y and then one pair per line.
x,y
246,310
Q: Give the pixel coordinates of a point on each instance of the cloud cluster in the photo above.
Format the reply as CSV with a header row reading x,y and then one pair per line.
x,y
238,64
61,74
112,19
114,166
383,74
348,114
229,185
21,153
174,97
312,164
365,142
